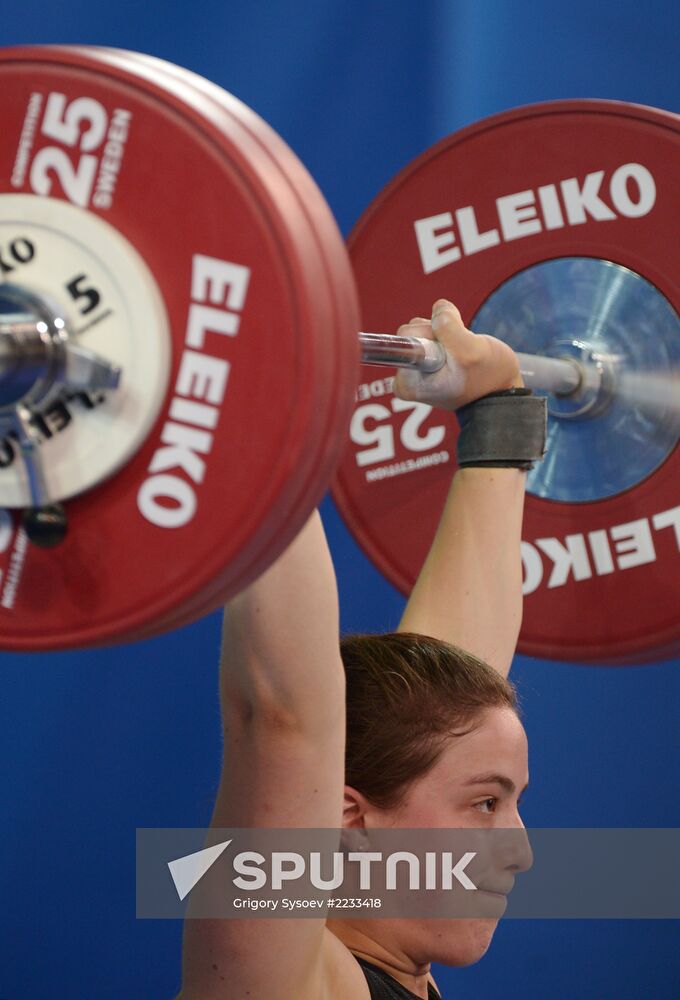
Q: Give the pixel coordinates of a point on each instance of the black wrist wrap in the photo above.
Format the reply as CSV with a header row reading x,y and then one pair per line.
x,y
503,430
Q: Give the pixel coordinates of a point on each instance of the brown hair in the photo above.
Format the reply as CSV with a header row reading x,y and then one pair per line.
x,y
406,694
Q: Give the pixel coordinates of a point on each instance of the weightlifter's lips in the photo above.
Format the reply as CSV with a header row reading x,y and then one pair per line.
x,y
490,903
501,891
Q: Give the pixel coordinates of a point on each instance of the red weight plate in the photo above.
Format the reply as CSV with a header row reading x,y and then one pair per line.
x,y
118,574
296,498
334,283
336,311
536,184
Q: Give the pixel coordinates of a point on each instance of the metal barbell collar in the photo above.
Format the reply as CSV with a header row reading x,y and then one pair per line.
x,y
38,362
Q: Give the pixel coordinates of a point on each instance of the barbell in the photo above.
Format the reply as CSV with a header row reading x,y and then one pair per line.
x,y
179,352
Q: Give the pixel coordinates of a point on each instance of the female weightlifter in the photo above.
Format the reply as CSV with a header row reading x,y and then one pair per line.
x,y
414,729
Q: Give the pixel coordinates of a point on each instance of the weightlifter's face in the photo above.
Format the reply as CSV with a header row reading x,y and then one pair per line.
x,y
476,783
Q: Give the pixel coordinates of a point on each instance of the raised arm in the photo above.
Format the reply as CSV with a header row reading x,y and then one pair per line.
x,y
283,709
283,684
469,591
281,669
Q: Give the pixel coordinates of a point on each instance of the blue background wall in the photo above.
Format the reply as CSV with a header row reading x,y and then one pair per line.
x,y
93,745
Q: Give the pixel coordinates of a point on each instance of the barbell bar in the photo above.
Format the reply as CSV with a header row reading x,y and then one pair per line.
x,y
598,378
39,360
561,376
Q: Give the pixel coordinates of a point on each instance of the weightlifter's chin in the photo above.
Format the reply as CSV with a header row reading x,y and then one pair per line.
x,y
450,942
459,942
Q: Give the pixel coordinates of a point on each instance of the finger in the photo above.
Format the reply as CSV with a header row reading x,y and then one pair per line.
x,y
445,314
442,305
417,327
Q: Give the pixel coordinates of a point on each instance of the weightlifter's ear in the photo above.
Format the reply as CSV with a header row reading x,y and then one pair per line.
x,y
354,809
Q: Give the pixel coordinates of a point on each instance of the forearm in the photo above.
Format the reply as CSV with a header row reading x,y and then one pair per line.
x,y
469,591
280,639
